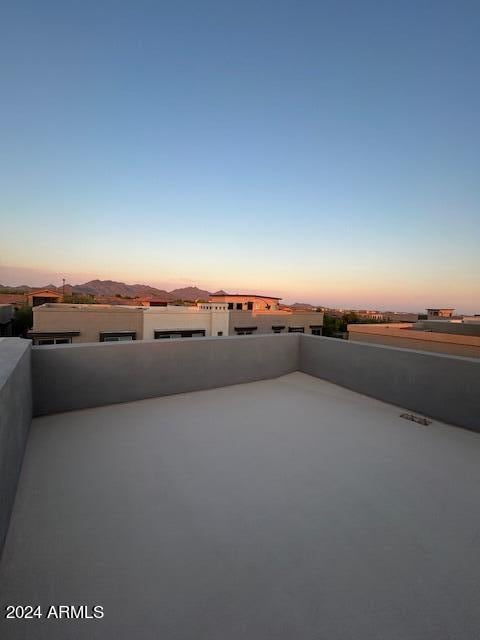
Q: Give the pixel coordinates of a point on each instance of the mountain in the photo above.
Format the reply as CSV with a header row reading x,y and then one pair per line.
x,y
111,288
190,293
302,306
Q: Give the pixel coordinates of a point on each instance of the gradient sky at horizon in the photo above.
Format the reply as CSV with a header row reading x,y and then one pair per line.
x,y
326,152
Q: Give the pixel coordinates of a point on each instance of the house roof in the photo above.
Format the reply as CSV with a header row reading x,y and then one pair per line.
x,y
44,291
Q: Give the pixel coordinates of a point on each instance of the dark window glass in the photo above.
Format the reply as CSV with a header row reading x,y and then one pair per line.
x,y
239,306
250,306
230,305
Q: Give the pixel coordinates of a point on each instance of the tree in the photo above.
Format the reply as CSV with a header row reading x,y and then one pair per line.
x,y
22,321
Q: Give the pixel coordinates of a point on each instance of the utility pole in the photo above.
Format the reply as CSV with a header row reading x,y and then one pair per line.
x,y
63,288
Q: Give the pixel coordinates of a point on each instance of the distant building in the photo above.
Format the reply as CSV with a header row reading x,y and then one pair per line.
x,y
438,314
43,296
70,323
370,315
246,302
400,316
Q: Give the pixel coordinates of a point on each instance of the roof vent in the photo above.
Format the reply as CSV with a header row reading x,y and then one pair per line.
x,y
413,418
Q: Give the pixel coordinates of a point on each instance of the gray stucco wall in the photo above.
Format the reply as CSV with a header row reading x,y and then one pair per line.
x,y
15,419
435,385
90,375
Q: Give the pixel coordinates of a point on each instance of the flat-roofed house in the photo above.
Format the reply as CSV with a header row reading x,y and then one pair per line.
x,y
71,323
66,323
439,313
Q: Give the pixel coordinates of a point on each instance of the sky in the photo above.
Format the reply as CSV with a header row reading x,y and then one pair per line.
x,y
326,152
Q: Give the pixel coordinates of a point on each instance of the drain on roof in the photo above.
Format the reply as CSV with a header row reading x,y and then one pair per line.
x,y
413,418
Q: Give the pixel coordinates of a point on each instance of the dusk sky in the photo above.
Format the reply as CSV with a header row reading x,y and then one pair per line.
x,y
326,152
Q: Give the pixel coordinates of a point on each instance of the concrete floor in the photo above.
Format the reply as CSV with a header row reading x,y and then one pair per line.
x,y
282,509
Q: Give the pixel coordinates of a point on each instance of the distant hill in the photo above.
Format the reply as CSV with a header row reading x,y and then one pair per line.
x,y
111,288
302,306
190,293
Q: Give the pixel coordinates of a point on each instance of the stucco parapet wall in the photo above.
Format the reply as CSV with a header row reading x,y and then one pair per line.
x,y
436,385
77,376
394,331
15,418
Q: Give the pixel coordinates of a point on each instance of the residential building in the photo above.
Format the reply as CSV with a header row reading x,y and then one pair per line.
x,y
370,315
439,314
70,323
66,323
247,302
256,487
43,296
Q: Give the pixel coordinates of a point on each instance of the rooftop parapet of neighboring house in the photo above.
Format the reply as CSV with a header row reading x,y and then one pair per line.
x,y
409,336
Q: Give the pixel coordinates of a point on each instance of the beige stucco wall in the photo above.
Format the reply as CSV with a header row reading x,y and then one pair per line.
x,y
88,319
174,318
264,321
394,336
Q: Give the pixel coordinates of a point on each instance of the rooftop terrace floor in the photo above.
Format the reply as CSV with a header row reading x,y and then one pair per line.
x,y
282,509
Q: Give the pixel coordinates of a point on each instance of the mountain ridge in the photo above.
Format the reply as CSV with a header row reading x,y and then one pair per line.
x,y
113,288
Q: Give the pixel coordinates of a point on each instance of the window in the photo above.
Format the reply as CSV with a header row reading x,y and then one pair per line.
x,y
230,305
179,333
245,331
239,306
219,333
44,341
250,306
117,336
316,329
277,328
296,329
